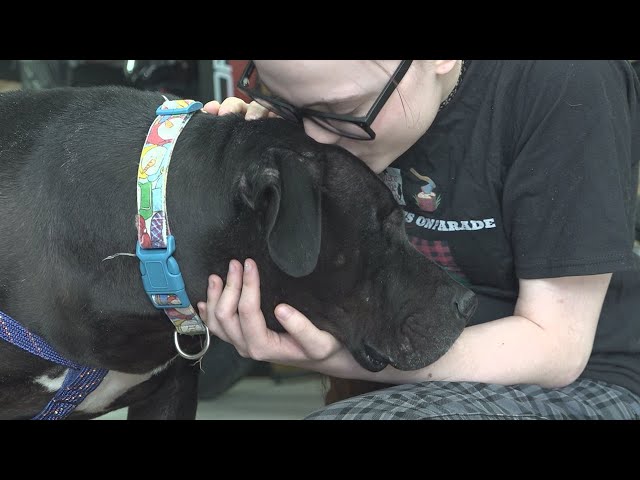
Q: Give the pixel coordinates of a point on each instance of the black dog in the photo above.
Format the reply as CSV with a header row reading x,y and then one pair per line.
x,y
325,231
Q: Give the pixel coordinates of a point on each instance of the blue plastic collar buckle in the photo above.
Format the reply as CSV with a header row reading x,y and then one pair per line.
x,y
161,276
179,111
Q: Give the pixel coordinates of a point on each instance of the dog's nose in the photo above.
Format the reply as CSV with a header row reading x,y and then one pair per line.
x,y
466,304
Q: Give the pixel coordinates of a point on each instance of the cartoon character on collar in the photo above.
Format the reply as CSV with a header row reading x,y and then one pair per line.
x,y
164,131
152,167
184,318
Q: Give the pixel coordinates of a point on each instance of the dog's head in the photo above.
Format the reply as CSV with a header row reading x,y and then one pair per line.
x,y
332,244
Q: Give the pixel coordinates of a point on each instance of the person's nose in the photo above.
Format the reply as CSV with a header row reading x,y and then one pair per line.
x,y
319,134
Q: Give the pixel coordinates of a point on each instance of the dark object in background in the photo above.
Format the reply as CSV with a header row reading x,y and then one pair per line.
x,y
179,77
202,80
9,70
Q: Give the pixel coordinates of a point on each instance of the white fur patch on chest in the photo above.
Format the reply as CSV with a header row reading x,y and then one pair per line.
x,y
112,386
51,384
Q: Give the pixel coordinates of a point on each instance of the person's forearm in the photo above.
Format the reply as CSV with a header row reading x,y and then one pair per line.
x,y
506,351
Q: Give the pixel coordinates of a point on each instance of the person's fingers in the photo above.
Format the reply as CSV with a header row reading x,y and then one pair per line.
x,y
263,343
317,344
226,310
232,105
251,111
211,107
257,336
207,310
256,111
233,314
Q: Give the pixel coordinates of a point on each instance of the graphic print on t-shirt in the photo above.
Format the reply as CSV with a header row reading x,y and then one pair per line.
x,y
439,252
426,199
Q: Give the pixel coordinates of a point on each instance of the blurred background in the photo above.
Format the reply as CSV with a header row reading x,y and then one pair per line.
x,y
197,79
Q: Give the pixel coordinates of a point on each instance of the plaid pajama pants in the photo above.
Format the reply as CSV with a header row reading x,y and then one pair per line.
x,y
582,400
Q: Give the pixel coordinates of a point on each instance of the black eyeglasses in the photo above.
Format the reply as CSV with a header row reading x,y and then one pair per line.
x,y
358,128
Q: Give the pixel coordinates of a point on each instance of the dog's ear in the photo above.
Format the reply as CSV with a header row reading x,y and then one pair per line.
x,y
285,187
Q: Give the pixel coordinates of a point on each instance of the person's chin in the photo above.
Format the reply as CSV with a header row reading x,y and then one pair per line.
x,y
378,165
376,162
371,161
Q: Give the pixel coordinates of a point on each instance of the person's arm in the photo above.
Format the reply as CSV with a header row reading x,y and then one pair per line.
x,y
546,342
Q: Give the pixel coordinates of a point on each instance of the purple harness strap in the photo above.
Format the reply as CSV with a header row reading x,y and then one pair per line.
x,y
79,382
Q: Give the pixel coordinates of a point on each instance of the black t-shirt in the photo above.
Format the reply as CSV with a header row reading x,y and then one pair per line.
x,y
531,171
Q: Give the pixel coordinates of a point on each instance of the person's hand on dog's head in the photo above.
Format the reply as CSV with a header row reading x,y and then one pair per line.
x,y
251,111
232,313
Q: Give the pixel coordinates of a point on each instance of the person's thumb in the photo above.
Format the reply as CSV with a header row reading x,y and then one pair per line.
x,y
318,344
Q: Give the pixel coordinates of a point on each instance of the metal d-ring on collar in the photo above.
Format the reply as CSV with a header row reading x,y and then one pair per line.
x,y
161,275
196,356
